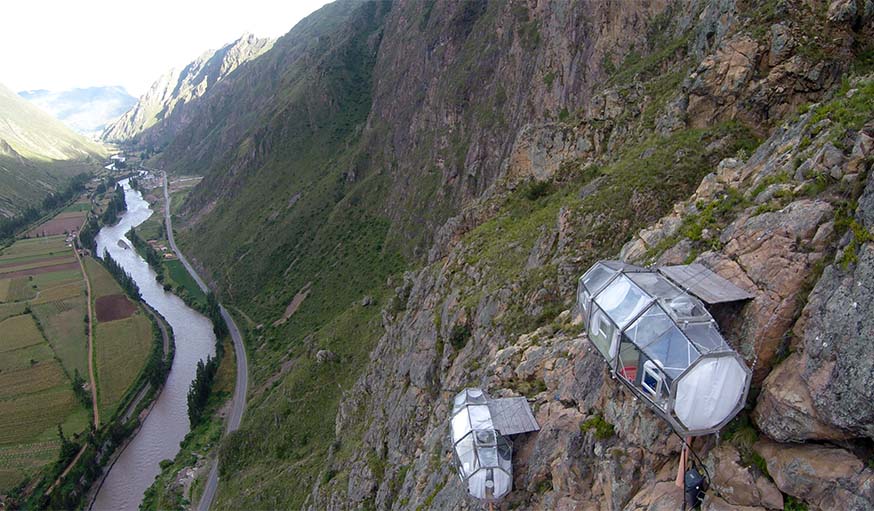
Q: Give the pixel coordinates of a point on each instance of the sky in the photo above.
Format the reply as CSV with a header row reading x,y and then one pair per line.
x,y
63,44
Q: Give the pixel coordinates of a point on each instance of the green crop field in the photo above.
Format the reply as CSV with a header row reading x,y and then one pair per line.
x,y
77,206
7,310
180,276
61,291
19,332
16,290
45,246
65,330
122,349
102,283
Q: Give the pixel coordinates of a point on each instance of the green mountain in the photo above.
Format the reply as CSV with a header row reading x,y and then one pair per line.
x,y
425,182
38,154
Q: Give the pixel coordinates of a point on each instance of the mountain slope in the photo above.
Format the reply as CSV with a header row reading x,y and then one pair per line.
x,y
38,154
495,150
87,110
164,107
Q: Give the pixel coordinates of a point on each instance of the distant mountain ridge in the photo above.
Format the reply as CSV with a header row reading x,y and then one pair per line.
x,y
166,107
38,153
86,110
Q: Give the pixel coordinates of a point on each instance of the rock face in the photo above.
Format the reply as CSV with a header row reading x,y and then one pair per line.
x,y
165,107
826,477
838,355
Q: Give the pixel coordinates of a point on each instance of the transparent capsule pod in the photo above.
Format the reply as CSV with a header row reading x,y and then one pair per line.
x,y
663,344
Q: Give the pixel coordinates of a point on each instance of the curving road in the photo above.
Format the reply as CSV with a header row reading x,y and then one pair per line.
x,y
239,402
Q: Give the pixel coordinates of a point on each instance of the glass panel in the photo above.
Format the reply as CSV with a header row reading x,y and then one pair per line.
x,y
466,456
622,300
488,456
480,417
672,352
505,454
628,360
649,326
686,308
596,277
602,331
583,300
485,437
476,396
706,337
655,284
460,425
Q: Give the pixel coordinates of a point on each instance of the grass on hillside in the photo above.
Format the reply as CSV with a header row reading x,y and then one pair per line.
x,y
290,426
634,191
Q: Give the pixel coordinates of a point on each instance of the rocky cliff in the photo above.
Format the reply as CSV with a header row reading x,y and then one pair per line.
x,y
165,107
494,151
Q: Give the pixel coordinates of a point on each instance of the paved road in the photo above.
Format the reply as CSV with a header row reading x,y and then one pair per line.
x,y
242,385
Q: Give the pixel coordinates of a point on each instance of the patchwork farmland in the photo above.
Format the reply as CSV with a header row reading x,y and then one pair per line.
x,y
122,338
44,346
42,304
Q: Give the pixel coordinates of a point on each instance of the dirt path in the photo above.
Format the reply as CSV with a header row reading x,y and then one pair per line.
x,y
66,470
90,337
90,365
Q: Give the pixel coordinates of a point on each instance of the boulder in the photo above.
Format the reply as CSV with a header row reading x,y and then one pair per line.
x,y
661,496
785,410
738,485
838,326
323,356
714,503
842,11
825,477
776,253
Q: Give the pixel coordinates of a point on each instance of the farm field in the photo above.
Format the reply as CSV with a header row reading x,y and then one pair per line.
x,y
44,346
35,396
62,223
42,306
122,347
122,338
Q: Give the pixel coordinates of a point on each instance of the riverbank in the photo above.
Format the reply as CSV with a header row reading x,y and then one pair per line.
x,y
166,425
56,292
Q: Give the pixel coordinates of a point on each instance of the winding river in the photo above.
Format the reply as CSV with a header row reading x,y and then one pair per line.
x,y
167,424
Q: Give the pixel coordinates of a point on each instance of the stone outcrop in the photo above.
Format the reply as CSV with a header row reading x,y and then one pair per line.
x,y
786,411
825,477
737,485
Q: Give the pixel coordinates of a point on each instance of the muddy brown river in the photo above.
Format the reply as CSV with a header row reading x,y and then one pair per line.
x,y
167,424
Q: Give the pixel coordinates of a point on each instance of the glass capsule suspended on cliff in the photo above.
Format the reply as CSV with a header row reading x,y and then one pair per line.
x,y
663,344
481,450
